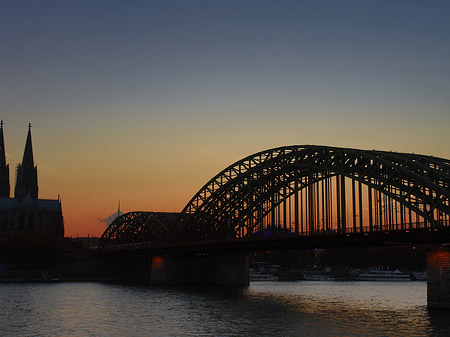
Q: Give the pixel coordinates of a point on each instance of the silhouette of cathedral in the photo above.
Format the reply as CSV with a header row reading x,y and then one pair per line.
x,y
25,213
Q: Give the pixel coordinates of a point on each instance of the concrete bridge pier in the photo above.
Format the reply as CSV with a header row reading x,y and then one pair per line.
x,y
438,274
231,269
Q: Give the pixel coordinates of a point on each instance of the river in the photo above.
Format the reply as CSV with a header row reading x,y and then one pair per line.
x,y
302,308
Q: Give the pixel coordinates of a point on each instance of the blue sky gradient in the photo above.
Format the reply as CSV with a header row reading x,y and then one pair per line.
x,y
164,94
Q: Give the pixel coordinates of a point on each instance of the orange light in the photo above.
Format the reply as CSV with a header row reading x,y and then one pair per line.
x,y
442,256
158,262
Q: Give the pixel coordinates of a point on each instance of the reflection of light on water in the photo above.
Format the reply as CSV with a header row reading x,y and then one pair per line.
x,y
263,309
362,308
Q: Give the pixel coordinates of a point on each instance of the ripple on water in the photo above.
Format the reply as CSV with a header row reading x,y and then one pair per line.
x,y
263,309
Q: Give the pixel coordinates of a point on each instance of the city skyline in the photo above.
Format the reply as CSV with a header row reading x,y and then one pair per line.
x,y
145,103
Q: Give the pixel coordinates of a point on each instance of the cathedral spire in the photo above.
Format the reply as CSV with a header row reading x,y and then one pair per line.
x,y
2,146
4,169
28,160
26,179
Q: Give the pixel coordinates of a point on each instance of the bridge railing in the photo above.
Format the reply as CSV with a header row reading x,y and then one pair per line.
x,y
366,229
273,235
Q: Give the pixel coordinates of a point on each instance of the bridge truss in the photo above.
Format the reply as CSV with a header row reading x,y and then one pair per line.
x,y
302,191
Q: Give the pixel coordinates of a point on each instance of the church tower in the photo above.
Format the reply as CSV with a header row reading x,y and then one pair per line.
x,y
4,169
26,174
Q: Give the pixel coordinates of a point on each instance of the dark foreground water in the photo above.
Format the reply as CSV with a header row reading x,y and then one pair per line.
x,y
304,308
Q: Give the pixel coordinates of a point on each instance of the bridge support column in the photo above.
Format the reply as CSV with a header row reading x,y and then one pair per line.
x,y
438,274
200,269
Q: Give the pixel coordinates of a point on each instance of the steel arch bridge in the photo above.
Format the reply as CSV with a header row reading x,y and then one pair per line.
x,y
298,192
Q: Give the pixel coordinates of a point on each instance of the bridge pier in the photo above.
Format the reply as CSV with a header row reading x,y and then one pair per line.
x,y
200,269
438,278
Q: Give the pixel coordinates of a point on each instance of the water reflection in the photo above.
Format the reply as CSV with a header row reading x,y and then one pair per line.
x,y
263,309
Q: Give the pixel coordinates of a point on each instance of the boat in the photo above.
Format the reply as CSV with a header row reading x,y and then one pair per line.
x,y
383,275
263,271
419,276
262,277
318,278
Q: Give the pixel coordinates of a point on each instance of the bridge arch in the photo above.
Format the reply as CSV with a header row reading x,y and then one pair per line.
x,y
253,193
303,190
133,229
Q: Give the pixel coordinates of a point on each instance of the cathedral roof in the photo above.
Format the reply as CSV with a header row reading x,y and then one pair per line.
x,y
39,204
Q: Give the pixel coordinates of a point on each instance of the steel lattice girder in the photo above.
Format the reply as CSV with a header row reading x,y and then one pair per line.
x,y
396,175
263,180
143,228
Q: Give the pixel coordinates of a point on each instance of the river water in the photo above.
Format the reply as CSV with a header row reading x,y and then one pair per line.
x,y
303,308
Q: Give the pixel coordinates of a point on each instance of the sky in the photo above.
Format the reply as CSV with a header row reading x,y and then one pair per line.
x,y
145,101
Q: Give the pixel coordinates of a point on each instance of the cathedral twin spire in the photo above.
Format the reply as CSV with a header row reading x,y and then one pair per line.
x,y
26,173
4,169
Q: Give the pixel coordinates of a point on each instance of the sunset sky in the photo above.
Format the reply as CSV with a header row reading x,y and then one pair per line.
x,y
145,101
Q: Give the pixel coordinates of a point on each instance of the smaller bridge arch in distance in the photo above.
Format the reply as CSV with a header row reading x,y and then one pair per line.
x,y
302,191
134,230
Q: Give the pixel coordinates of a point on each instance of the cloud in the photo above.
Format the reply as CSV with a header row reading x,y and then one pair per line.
x,y
47,168
108,220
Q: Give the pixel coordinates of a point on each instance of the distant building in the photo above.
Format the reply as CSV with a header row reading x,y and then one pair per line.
x,y
25,213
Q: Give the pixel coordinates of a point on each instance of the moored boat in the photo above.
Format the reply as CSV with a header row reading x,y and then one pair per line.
x,y
262,277
419,276
383,275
